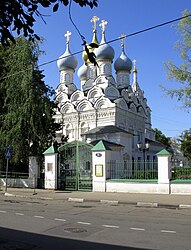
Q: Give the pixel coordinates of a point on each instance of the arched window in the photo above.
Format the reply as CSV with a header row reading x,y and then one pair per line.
x,y
67,77
84,127
107,69
69,131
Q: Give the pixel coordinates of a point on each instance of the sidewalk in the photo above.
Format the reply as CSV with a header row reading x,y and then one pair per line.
x,y
144,200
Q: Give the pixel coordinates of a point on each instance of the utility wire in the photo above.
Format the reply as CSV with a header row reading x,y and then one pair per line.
x,y
150,28
111,41
70,16
164,119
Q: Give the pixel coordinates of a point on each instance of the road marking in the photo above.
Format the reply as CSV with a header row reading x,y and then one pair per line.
x,y
3,211
137,229
19,214
167,231
110,226
83,223
57,219
38,216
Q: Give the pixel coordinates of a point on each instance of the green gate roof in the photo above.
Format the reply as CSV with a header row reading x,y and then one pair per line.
x,y
50,150
163,152
101,146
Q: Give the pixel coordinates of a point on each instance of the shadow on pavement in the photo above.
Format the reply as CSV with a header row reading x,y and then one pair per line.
x,y
15,239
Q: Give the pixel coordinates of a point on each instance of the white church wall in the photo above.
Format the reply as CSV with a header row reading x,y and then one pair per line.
x,y
126,141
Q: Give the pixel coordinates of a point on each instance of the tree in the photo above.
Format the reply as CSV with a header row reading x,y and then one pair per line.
x,y
26,111
185,140
20,15
182,73
160,137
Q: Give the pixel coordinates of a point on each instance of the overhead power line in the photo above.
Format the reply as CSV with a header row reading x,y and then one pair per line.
x,y
177,122
111,41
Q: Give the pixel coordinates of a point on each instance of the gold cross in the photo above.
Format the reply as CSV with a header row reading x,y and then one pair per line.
x,y
103,25
94,20
67,35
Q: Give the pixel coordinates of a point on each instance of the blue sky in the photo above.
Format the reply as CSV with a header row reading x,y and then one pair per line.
x,y
150,49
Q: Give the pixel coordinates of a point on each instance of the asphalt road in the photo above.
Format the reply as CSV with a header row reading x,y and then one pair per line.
x,y
30,224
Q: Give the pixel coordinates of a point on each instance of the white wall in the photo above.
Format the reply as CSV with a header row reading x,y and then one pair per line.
x,y
129,187
181,188
148,188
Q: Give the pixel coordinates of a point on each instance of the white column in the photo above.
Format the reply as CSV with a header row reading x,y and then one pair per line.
x,y
51,171
99,171
164,171
101,154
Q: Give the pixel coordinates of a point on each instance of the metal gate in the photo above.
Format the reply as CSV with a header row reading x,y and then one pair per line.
x,y
75,166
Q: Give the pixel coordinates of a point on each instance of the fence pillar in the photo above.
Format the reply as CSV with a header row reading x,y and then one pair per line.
x,y
100,156
164,171
33,171
51,166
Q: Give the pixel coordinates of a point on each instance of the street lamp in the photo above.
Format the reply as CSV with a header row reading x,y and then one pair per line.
x,y
143,148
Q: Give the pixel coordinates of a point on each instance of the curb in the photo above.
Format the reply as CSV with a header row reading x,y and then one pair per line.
x,y
10,195
80,200
184,206
147,204
109,202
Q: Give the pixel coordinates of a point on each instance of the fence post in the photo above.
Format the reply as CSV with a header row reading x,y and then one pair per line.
x,y
100,157
51,157
164,171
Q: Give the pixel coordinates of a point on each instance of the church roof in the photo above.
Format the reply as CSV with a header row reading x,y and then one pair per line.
x,y
107,143
107,129
155,143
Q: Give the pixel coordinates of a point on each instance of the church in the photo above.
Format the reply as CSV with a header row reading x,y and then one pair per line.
x,y
107,107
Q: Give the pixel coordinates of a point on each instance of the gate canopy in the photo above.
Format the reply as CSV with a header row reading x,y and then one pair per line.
x,y
74,144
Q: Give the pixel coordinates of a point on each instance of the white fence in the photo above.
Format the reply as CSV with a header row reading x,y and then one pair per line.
x,y
18,182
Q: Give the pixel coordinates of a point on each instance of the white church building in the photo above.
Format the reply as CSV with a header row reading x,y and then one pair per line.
x,y
107,107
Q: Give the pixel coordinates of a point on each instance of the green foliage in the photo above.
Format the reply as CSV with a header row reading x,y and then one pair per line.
x,y
185,140
20,15
160,137
180,173
182,73
26,123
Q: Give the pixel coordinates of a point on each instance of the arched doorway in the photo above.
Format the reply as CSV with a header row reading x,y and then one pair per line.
x,y
75,166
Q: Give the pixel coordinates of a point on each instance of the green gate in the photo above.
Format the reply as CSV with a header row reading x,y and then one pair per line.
x,y
75,166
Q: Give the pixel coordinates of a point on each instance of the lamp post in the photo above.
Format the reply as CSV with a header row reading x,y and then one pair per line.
x,y
143,148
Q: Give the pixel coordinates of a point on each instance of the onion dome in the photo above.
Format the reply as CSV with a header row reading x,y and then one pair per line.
x,y
67,60
84,54
123,62
105,51
82,72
